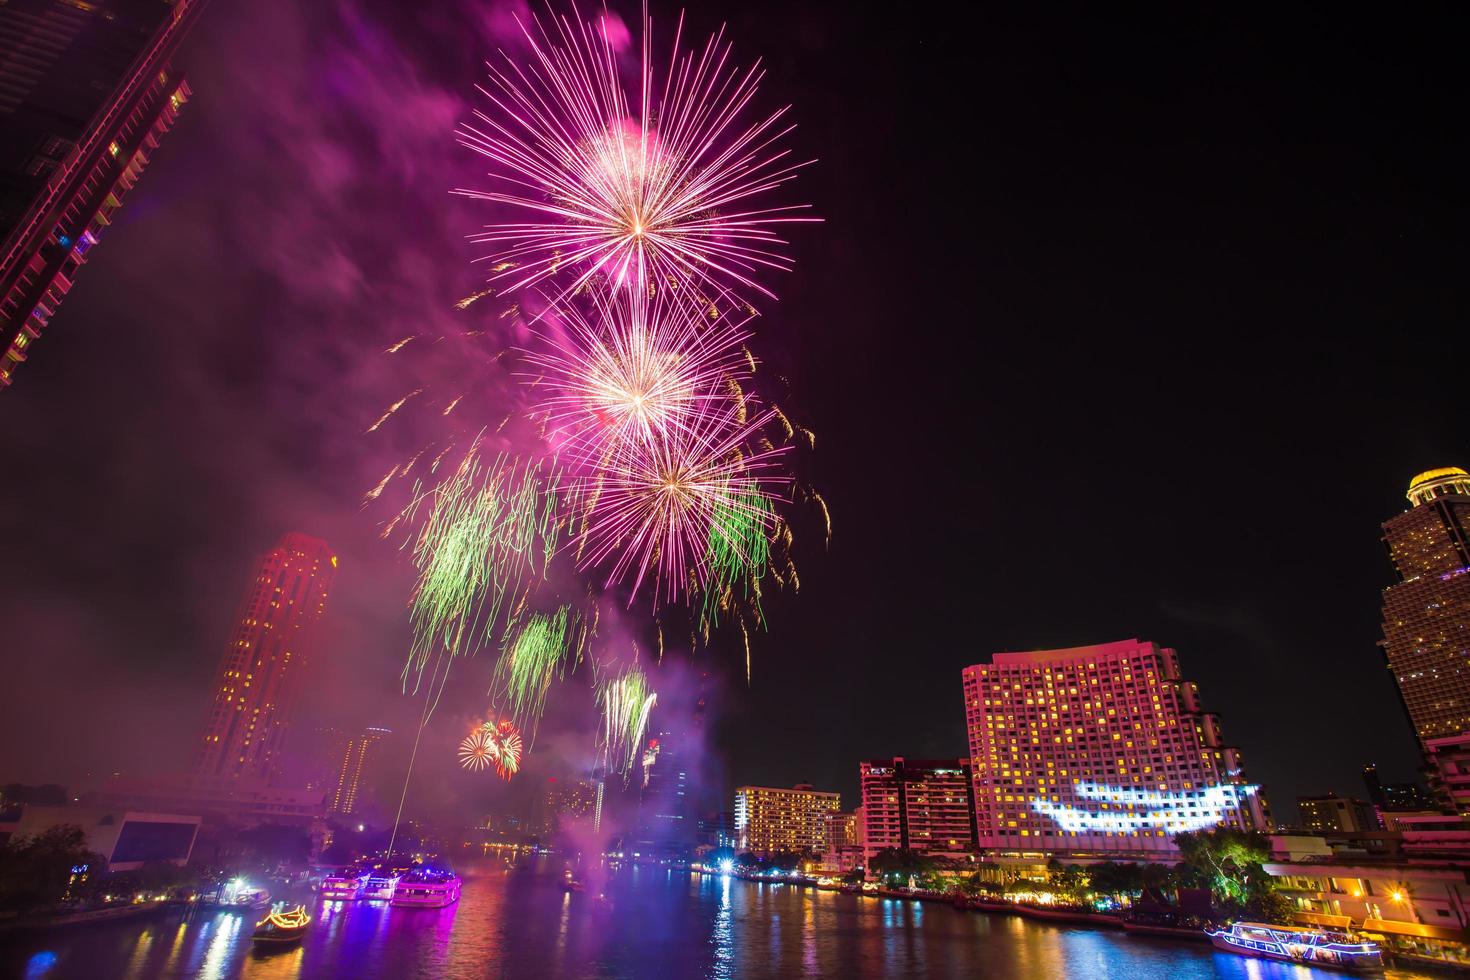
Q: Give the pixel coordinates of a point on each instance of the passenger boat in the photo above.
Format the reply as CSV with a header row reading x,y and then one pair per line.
x,y
381,885
282,927
427,889
345,886
1292,944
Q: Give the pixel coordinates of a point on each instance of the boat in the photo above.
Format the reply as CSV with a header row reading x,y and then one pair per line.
x,y
380,886
1294,944
571,884
426,889
282,926
345,886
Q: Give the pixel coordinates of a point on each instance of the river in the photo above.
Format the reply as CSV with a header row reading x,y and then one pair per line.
x,y
654,923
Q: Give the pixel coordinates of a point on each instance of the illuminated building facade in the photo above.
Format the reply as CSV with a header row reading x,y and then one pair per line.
x,y
924,805
1097,750
1426,614
349,781
260,675
769,820
86,92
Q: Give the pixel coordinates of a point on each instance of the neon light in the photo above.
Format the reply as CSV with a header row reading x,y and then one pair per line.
x,y
1145,809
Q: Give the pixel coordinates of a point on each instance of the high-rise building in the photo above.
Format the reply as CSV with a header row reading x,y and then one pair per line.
x,y
86,91
1333,813
666,827
1395,796
1097,750
348,786
923,805
769,820
1426,614
260,675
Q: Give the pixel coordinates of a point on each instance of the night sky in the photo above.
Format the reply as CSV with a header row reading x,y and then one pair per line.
x,y
1116,327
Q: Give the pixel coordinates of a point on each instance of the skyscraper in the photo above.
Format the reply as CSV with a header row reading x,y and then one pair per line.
x,y
348,785
1426,614
666,827
86,90
923,805
1097,749
260,674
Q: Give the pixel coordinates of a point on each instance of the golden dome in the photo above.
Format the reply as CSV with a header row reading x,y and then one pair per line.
x,y
1428,475
1445,480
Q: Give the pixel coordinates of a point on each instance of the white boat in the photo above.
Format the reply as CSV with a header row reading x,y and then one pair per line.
x,y
427,890
380,886
1291,944
346,886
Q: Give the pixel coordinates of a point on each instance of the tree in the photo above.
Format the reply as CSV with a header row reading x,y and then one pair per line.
x,y
35,871
855,877
1229,862
897,865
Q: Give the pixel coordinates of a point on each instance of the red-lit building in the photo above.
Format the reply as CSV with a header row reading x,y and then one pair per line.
x,y
86,91
923,805
1099,750
260,676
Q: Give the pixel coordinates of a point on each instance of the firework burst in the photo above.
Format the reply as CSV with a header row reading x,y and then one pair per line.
x,y
625,701
490,531
492,744
635,367
659,189
656,504
532,656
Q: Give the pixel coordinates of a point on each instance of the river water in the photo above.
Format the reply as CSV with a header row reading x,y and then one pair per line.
x,y
653,923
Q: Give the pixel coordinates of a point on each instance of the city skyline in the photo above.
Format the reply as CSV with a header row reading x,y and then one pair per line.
x,y
1159,496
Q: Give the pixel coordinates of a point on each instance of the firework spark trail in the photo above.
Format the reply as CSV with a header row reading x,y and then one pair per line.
x,y
656,503
657,192
636,368
736,554
490,531
625,701
532,656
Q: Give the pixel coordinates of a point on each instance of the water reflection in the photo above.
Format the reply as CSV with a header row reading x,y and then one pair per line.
x,y
655,923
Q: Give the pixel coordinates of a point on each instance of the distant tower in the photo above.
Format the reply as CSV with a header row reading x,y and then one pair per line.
x,y
86,90
260,675
358,753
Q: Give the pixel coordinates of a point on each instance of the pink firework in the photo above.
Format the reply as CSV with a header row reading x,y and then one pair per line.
x,y
657,503
635,367
660,190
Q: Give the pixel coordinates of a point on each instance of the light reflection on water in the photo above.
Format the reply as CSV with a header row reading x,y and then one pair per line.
x,y
653,923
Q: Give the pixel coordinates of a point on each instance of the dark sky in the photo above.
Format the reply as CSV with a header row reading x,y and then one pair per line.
x,y
1116,327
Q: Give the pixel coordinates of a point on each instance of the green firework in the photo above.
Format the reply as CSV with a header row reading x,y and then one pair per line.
x,y
737,550
626,701
489,534
532,655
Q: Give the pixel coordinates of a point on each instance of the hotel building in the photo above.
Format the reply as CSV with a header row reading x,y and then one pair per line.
x,y
1097,750
1426,623
260,675
924,805
769,820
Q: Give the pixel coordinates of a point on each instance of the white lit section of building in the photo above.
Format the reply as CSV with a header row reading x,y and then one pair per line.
x,y
769,820
1097,750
